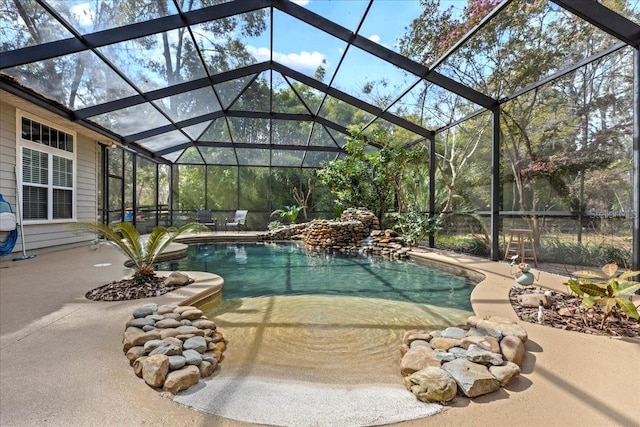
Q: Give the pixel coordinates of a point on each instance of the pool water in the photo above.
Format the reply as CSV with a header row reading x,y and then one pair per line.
x,y
269,269
288,315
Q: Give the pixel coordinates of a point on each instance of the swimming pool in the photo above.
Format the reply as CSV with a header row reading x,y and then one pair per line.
x,y
285,269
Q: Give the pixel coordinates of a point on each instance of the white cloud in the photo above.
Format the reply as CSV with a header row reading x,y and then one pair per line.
x,y
301,2
374,38
303,60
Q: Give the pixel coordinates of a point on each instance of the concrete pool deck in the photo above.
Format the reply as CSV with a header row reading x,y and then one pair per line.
x,y
61,361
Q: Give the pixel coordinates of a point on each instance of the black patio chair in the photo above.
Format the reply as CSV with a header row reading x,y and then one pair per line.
x,y
205,218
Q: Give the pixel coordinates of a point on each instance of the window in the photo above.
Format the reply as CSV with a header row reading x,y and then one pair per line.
x,y
47,161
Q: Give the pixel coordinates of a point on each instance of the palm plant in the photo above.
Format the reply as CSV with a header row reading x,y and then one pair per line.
x,y
290,213
142,252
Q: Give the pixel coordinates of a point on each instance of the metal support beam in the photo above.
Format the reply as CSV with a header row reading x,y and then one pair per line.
x,y
495,186
432,186
41,52
351,100
604,18
635,209
383,53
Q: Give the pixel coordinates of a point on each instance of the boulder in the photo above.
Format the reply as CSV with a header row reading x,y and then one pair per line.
x,y
139,322
418,343
444,343
166,349
416,359
444,356
498,327
135,353
182,308
137,365
182,379
476,354
170,332
134,338
176,278
198,344
155,369
453,332
433,384
204,324
166,308
187,330
533,300
504,374
167,323
145,310
415,334
513,349
485,342
192,314
458,352
206,369
192,357
472,379
176,362
209,357
151,345
175,341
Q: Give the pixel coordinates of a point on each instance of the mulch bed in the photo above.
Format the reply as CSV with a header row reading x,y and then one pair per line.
x,y
127,289
565,312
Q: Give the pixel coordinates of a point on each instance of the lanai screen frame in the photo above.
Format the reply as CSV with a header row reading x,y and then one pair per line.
x,y
596,14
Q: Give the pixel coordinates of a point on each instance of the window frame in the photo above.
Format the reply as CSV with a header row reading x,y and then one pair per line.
x,y
50,152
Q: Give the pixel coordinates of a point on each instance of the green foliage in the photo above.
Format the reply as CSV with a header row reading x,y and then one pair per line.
x,y
142,252
473,245
273,225
590,254
415,225
369,179
606,290
290,213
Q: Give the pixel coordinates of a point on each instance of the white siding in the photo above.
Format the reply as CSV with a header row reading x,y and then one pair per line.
x,y
53,236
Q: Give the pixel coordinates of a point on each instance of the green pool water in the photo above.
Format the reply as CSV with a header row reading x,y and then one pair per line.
x,y
260,270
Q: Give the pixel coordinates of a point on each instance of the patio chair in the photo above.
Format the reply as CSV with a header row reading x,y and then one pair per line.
x,y
238,221
205,218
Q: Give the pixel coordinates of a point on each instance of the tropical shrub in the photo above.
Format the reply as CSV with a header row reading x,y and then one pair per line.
x,y
273,225
290,213
415,225
142,252
608,292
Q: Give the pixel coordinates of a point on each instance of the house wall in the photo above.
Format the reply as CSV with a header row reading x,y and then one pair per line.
x,y
48,236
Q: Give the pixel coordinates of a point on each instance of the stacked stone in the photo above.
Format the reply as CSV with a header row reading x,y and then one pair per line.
x,y
475,360
366,217
386,243
171,347
286,232
340,236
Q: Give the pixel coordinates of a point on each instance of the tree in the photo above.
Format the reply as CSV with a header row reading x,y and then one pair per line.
x,y
83,79
365,179
554,136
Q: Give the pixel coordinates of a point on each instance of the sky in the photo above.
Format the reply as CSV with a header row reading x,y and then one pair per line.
x,y
303,47
300,46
